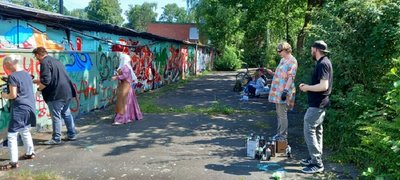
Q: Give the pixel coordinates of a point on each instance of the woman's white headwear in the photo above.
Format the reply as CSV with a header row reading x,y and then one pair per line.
x,y
125,59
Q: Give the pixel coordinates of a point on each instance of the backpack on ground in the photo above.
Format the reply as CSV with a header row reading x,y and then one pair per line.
x,y
238,86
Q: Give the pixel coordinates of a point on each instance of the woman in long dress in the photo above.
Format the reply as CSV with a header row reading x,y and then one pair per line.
x,y
127,108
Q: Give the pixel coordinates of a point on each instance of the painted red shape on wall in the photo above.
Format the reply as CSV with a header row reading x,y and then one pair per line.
x,y
76,99
79,44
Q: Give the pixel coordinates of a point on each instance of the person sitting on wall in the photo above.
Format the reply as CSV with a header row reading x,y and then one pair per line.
x,y
22,114
57,90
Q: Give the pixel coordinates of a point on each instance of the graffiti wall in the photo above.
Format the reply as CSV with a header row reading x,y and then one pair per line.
x,y
90,58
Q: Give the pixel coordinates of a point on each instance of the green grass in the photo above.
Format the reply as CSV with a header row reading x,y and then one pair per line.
x,y
148,105
262,125
25,174
147,102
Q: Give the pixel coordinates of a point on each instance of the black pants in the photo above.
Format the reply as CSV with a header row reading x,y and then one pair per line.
x,y
252,91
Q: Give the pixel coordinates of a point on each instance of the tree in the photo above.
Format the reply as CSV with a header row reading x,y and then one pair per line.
x,y
311,4
107,11
140,15
220,23
79,13
173,14
260,25
46,5
191,4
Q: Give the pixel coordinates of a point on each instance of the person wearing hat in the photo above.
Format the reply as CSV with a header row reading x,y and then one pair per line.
x,y
318,100
283,90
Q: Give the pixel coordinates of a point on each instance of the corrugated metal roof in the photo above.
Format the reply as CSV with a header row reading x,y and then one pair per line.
x,y
62,21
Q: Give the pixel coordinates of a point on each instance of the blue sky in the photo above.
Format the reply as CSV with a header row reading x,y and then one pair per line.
x,y
73,4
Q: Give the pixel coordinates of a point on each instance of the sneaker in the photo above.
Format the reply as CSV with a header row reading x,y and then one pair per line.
x,y
313,168
50,142
70,139
116,123
305,162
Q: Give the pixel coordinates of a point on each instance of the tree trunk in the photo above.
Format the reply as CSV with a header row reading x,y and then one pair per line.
x,y
307,18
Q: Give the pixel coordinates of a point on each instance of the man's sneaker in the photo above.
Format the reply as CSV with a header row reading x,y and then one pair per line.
x,y
305,162
313,168
50,142
70,139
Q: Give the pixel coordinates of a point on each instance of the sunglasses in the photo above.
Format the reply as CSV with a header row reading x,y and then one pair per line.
x,y
279,51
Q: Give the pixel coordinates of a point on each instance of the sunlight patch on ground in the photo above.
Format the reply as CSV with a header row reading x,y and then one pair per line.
x,y
181,115
250,120
221,117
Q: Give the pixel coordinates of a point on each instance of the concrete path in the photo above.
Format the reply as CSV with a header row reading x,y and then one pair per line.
x,y
178,145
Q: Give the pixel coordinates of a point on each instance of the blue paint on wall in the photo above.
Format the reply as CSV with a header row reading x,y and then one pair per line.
x,y
79,64
24,34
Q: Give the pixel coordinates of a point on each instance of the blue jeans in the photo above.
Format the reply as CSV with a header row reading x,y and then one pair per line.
x,y
60,109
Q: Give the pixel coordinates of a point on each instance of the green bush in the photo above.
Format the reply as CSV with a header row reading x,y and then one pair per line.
x,y
363,124
379,150
228,61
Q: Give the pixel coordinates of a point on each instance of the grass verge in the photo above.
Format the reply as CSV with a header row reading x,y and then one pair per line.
x,y
25,174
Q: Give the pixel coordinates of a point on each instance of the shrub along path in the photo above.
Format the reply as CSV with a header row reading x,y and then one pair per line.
x,y
191,130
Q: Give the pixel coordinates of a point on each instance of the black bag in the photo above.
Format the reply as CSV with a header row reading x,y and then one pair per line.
x,y
238,86
252,90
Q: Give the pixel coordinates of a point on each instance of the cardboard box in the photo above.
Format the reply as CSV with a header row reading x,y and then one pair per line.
x,y
251,146
281,146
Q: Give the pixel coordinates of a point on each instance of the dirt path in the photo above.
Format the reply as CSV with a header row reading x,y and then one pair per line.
x,y
178,145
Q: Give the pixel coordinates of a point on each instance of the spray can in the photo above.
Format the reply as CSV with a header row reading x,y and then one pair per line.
x,y
268,153
273,148
288,151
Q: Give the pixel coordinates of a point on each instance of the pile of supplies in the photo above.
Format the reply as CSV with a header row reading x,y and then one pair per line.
x,y
257,147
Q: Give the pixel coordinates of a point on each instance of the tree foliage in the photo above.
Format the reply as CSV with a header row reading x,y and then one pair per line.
x,y
221,23
107,11
46,5
229,61
141,15
79,13
173,14
364,37
261,23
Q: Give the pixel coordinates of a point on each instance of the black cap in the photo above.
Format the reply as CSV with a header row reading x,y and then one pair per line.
x,y
321,45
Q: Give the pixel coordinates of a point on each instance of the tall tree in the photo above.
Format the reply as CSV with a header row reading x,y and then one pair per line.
x,y
311,4
220,22
46,5
173,14
191,5
141,15
108,11
79,13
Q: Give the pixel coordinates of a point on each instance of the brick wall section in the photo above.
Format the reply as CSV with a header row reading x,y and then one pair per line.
x,y
174,31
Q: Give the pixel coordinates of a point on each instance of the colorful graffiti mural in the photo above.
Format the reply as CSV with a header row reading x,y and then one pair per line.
x,y
91,62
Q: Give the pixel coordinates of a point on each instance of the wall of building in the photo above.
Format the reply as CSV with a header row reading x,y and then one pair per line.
x,y
90,63
171,30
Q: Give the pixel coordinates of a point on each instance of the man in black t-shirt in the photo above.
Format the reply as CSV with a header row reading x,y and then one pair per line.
x,y
22,110
318,99
57,90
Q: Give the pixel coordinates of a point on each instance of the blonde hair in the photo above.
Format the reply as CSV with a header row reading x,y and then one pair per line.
x,y
284,46
13,59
